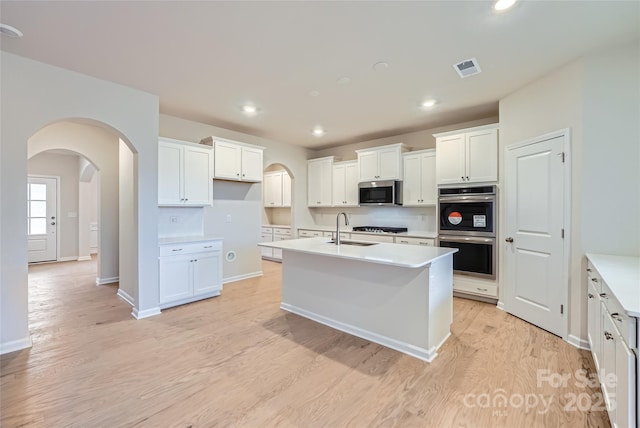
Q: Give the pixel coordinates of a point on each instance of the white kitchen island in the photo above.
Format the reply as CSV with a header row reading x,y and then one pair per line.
x,y
400,296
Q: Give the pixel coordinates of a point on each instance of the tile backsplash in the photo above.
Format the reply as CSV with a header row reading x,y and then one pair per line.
x,y
423,219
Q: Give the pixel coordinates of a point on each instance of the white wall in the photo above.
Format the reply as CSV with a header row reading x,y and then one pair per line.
x,y
128,250
34,95
100,146
611,152
66,168
87,207
242,201
590,96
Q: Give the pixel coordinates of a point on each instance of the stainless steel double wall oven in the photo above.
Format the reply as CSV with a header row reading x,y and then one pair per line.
x,y
467,221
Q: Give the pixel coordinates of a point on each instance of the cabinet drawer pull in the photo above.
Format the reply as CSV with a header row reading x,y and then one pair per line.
x,y
591,296
208,246
177,249
603,295
404,242
616,316
481,289
423,243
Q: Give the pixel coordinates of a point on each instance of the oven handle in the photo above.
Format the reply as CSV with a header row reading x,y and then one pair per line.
x,y
471,239
467,198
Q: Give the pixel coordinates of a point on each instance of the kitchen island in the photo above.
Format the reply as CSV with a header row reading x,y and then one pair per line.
x,y
399,296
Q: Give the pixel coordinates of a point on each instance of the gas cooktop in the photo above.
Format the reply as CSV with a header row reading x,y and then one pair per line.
x,y
379,229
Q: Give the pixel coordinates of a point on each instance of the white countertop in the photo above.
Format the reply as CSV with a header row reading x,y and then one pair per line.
x,y
347,229
278,226
190,238
622,275
410,256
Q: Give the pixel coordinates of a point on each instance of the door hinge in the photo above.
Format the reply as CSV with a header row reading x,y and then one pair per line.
x,y
561,309
562,233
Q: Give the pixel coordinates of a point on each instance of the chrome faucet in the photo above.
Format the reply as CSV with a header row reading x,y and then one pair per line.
x,y
346,223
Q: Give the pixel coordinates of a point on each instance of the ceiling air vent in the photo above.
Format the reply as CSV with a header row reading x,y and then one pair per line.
x,y
467,68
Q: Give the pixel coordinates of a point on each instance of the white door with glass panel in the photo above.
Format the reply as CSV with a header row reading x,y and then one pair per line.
x,y
42,222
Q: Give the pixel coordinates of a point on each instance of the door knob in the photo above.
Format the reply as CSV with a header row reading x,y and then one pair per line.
x,y
509,240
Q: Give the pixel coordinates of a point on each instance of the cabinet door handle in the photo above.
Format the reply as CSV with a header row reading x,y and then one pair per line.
x,y
591,296
467,178
604,295
588,270
616,316
608,335
177,249
462,178
594,279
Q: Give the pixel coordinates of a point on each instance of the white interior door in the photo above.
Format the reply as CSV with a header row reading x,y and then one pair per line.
x,y
535,283
42,221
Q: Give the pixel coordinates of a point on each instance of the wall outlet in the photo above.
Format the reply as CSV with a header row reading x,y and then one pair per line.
x,y
228,218
173,219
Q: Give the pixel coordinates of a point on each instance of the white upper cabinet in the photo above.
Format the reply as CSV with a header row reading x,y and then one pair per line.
x,y
319,182
381,163
467,155
277,189
419,187
345,184
237,161
185,171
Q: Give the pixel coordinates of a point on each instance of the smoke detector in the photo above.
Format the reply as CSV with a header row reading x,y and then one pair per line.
x,y
467,68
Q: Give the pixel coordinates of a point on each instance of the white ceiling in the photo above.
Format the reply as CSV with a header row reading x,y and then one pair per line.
x,y
205,59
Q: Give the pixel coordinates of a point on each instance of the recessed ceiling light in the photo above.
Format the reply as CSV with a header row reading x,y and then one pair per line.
x,y
249,109
318,131
344,80
380,66
9,31
428,103
503,4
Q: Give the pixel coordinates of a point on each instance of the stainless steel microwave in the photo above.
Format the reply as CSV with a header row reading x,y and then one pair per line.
x,y
382,192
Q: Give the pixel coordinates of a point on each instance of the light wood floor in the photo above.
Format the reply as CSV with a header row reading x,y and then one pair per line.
x,y
238,360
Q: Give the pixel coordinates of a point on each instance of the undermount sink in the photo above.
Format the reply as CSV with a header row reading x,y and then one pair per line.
x,y
356,243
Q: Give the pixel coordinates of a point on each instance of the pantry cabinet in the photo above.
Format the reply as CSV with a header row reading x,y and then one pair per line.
x,y
185,171
345,184
419,188
189,271
319,182
381,163
277,189
237,161
467,156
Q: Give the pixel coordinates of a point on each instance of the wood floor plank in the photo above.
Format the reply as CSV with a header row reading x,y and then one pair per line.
x,y
238,360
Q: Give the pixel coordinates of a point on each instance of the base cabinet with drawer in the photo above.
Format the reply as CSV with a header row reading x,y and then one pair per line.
x,y
613,339
270,234
189,272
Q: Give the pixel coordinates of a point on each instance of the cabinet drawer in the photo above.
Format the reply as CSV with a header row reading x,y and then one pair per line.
x,y
266,230
305,233
475,286
282,231
593,277
415,241
625,324
189,248
372,238
281,237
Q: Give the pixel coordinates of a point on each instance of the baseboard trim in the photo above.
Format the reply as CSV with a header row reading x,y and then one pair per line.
x,y
146,313
84,258
500,305
578,342
68,259
104,281
125,296
423,354
241,277
15,345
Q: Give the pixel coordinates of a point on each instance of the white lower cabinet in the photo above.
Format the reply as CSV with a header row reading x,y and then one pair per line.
x,y
612,336
270,234
189,272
